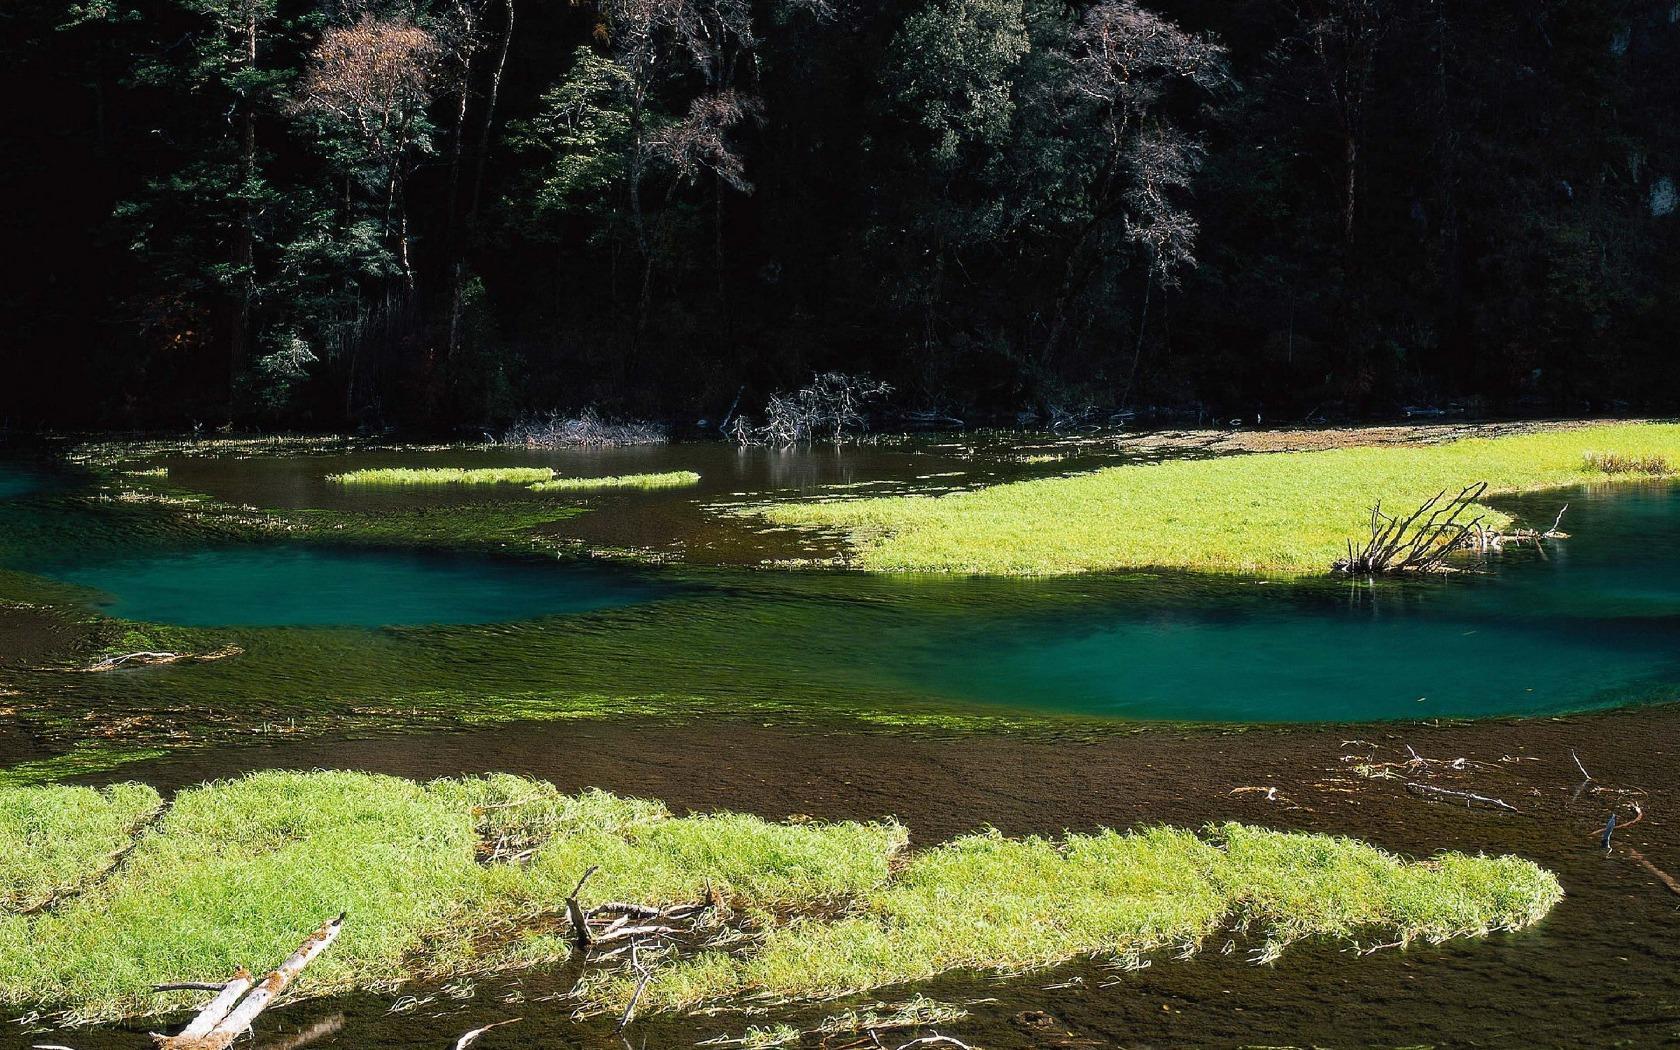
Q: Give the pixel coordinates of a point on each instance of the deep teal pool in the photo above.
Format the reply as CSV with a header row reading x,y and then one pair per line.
x,y
298,586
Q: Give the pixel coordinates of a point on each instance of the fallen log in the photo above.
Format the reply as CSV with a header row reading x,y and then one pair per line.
x,y
214,1011
155,658
1418,543
210,1031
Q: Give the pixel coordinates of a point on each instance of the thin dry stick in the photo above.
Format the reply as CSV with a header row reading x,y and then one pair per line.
x,y
216,1009
1469,797
574,912
635,997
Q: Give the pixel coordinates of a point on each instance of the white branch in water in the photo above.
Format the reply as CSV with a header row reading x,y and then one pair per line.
x,y
1469,797
472,1036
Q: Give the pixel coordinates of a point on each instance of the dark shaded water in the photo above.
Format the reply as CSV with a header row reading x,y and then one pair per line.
x,y
1599,971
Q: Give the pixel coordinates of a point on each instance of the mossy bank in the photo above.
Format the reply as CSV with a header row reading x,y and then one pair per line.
x,y
115,892
1286,513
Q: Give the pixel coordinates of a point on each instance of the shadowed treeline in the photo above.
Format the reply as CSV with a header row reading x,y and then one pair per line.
x,y
440,212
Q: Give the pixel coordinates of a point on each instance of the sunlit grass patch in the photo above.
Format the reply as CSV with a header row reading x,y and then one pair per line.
x,y
464,876
674,479
984,902
238,871
56,839
403,476
1286,512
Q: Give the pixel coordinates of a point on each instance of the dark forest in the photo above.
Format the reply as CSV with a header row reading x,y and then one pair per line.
x,y
452,213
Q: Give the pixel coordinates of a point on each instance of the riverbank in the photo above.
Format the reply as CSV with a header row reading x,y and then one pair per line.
x,y
1285,513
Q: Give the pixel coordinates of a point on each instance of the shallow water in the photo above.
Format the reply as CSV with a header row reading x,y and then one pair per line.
x,y
1590,622
444,639
1598,971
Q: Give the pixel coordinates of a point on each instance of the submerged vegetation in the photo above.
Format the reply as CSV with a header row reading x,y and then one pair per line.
x,y
461,876
1277,512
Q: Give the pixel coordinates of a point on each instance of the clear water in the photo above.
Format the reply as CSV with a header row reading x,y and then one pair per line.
x,y
295,585
1593,623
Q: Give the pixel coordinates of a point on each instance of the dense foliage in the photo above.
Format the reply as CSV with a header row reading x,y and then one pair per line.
x,y
427,212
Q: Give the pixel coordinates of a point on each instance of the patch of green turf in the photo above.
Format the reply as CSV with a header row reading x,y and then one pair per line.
x,y
237,872
403,476
57,839
1285,512
675,479
985,902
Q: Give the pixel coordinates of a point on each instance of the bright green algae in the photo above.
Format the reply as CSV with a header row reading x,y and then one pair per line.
x,y
1283,512
236,872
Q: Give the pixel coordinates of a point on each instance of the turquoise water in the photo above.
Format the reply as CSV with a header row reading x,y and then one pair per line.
x,y
290,586
1595,622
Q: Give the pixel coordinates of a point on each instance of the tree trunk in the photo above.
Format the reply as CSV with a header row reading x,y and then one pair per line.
x,y
245,249
457,262
490,112
1350,184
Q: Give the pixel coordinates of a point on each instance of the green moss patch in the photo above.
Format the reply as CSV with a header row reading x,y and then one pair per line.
x,y
674,479
469,875
58,839
1287,512
404,476
537,479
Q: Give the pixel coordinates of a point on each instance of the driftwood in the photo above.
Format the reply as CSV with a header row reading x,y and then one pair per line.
x,y
644,974
155,658
1470,798
1662,876
214,1012
623,928
228,1016
472,1036
1417,543
575,912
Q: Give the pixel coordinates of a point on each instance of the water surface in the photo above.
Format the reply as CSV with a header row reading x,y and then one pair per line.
x,y
296,585
1589,622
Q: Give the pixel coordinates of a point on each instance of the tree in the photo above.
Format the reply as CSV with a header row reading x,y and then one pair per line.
x,y
369,86
1343,38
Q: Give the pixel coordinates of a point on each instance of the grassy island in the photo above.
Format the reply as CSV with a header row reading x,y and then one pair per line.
x,y
674,479
399,477
1280,512
537,479
114,891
